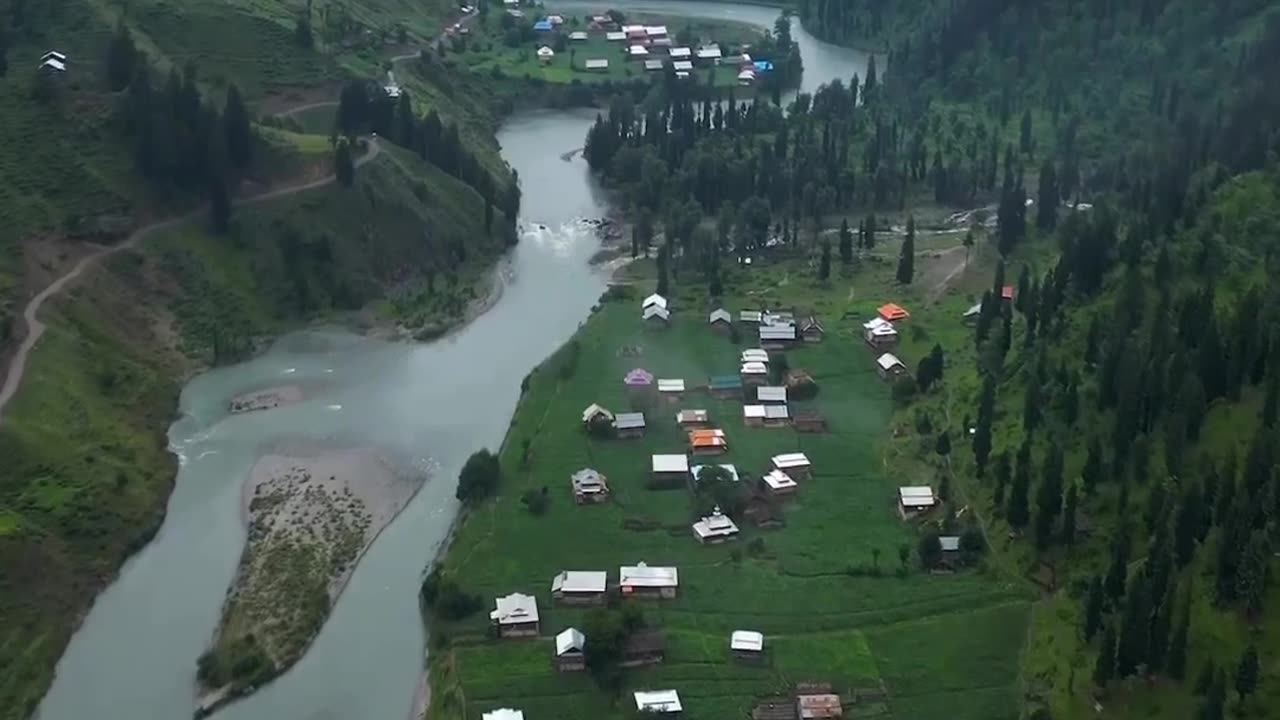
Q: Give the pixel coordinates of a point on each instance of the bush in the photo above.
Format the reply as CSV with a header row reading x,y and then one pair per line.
x,y
479,477
536,500
930,550
904,389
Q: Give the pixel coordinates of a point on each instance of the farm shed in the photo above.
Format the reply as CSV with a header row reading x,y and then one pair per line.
x,y
589,486
913,500
715,528
893,312
692,418
747,646
669,471
571,651
811,331
794,464
660,702
779,484
888,365
644,647
818,707
809,421
726,386
580,587
641,580
515,615
629,425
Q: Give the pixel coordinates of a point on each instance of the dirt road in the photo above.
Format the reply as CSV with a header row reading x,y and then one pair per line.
x,y
35,328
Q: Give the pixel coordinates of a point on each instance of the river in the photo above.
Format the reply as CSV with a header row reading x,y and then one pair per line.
x,y
430,405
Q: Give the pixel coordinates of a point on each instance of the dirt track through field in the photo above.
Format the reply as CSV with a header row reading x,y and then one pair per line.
x,y
35,328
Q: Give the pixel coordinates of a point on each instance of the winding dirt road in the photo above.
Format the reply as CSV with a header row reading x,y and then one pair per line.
x,y
35,328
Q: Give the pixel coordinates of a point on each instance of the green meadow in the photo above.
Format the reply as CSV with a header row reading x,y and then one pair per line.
x,y
828,590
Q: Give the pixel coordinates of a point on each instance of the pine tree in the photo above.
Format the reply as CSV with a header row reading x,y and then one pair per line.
x,y
943,445
1002,473
1047,203
1186,526
1049,498
1158,639
239,133
824,265
343,165
846,242
1069,514
1019,513
122,56
907,258
1214,706
1176,663
1131,651
1105,667
1092,472
1118,571
664,260
1247,673
219,206
1093,609
982,431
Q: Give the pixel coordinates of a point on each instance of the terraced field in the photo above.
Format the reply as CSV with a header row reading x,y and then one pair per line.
x,y
935,643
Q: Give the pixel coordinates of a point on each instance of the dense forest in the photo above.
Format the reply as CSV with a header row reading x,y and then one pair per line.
x,y
1134,385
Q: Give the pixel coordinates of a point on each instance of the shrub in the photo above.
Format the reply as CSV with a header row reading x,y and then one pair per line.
x,y
930,550
536,500
479,477
904,389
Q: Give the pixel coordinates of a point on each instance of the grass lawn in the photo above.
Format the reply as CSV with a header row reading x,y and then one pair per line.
x,y
935,642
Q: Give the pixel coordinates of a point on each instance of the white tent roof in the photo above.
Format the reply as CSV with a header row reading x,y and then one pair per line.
x,y
658,701
749,640
889,361
670,463
790,460
642,575
580,581
571,640
514,609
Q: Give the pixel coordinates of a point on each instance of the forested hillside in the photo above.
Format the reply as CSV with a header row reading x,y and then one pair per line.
x,y
1120,411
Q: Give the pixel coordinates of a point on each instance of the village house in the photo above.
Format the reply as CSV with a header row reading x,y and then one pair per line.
x,y
754,373
889,366
732,471
810,421
751,317
950,547
777,337
53,62
690,419
878,332
589,486
680,53
615,36
811,331
596,413
819,706
656,316
580,587
597,64
720,319
571,651
715,528
629,426
638,380
913,500
503,714
971,315
766,415
779,484
644,647
794,464
653,65
682,67
638,51
708,442
641,580
546,55
655,31
771,394
659,702
747,646
759,355
774,707
709,54
515,615
578,36
669,471
726,387
893,312
654,300
672,389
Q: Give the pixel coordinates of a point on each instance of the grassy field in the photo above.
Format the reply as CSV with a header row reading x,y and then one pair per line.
x,y
935,642
487,50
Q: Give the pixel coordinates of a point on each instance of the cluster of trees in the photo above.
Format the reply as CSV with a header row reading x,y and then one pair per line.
x,y
365,107
479,477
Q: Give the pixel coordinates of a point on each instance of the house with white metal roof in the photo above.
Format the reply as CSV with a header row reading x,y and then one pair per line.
x,y
654,299
771,394
654,31
656,315
794,464
669,471
615,36
777,336
652,64
638,51
692,418
765,415
754,373
913,500
629,425
594,413
715,528
671,387
709,52
759,355
888,365
515,615
643,580
747,645
682,66
503,714
580,587
660,702
720,316
681,53
578,36
589,486
571,651
778,483
597,64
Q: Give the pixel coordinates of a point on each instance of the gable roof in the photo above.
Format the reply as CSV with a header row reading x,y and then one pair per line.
x,y
588,581
515,609
889,361
571,640
893,311
654,299
748,640
670,463
720,315
656,311
790,460
642,575
594,410
629,421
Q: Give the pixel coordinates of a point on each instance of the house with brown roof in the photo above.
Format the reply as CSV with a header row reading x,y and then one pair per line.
x,y
644,647
819,707
810,421
708,442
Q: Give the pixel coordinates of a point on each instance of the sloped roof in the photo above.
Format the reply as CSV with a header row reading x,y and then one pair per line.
x,y
571,640
748,640
514,609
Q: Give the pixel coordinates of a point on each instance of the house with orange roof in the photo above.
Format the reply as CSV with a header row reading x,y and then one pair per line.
x,y
893,312
708,442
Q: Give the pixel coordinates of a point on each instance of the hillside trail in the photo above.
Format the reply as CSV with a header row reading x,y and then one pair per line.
x,y
30,314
